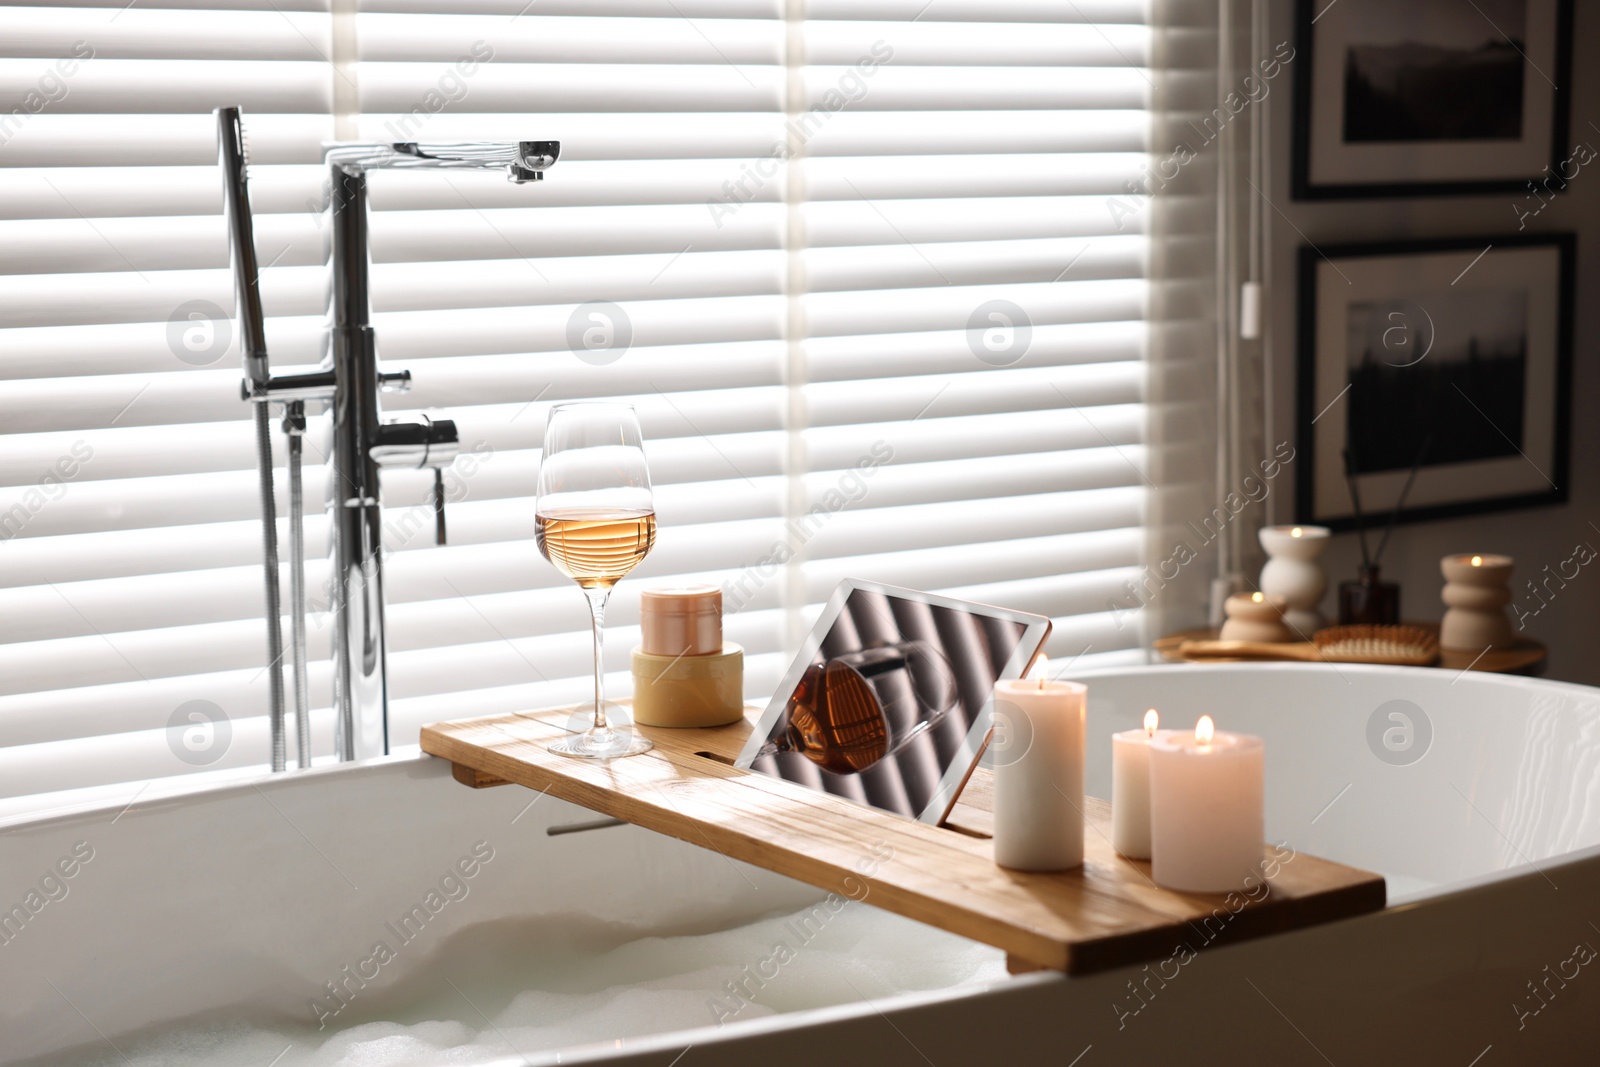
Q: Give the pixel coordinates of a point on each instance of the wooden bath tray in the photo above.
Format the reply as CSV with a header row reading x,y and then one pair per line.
x,y
1107,914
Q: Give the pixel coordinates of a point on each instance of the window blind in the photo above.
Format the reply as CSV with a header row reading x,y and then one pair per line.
x,y
852,261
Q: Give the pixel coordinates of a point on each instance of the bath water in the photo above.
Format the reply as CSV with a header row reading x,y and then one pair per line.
x,y
518,988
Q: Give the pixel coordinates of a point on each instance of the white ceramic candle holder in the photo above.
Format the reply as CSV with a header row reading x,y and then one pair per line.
x,y
1255,617
1476,591
1294,574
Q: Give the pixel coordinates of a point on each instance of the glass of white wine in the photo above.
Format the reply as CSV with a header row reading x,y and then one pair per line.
x,y
596,521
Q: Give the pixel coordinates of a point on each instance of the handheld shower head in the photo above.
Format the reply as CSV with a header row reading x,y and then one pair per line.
x,y
233,158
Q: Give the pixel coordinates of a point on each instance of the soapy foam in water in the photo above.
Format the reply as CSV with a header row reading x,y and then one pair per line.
x,y
517,989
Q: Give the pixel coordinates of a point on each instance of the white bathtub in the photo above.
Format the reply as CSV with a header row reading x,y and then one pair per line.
x,y
238,906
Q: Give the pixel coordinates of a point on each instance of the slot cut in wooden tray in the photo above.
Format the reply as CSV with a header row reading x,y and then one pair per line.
x,y
1104,915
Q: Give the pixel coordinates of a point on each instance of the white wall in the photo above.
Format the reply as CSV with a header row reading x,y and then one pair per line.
x,y
1570,625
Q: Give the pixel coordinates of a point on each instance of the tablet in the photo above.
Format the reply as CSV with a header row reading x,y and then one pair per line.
x,y
890,699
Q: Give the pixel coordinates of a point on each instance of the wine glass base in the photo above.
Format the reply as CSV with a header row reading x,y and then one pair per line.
x,y
587,746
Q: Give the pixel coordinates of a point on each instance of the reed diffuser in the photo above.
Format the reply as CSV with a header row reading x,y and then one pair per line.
x,y
1369,599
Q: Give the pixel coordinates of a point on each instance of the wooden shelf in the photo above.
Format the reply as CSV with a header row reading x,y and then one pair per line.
x,y
1107,914
1525,657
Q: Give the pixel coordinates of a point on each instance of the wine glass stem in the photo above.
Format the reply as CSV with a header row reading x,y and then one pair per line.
x,y
597,615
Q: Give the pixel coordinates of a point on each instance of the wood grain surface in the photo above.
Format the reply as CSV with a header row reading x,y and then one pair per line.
x,y
1106,914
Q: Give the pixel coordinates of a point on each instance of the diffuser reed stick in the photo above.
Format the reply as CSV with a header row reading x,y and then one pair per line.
x,y
1355,498
1399,505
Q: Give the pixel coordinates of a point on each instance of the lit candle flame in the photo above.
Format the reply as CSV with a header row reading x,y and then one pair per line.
x,y
1205,730
1151,721
1297,532
1040,670
1477,561
1257,597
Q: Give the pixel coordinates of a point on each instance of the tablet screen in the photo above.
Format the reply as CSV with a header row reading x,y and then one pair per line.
x,y
889,701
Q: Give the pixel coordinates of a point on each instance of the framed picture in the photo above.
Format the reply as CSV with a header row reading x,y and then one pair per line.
x,y
1422,97
1454,356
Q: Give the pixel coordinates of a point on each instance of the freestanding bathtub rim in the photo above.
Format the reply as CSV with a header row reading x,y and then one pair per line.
x,y
240,781
161,792
1486,679
1528,877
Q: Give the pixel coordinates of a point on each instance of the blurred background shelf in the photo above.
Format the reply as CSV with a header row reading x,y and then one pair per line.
x,y
1525,657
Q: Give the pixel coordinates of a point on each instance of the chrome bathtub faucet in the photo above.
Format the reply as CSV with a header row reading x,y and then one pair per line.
x,y
348,382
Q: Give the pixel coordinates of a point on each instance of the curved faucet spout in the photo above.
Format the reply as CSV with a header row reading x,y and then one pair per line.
x,y
363,440
524,161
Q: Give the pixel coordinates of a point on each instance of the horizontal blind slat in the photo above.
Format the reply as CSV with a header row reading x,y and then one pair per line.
x,y
805,340
134,87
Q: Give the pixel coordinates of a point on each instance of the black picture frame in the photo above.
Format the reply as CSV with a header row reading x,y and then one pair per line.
x,y
1308,12
1316,464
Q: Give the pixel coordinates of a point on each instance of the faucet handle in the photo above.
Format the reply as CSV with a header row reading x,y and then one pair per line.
x,y
438,506
394,381
416,443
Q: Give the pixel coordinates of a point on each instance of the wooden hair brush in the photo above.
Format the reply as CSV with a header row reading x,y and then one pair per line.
x,y
1402,646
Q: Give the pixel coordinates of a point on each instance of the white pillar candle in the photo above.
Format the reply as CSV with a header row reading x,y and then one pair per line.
x,y
1038,778
1130,787
1207,808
